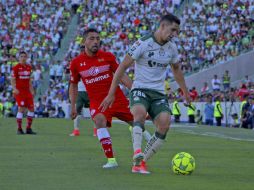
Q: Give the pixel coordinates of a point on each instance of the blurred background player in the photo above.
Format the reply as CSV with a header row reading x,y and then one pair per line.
x,y
82,102
23,92
152,54
95,68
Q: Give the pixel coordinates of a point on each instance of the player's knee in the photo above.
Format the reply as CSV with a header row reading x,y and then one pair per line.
x,y
139,124
160,135
139,113
100,121
21,110
163,129
139,116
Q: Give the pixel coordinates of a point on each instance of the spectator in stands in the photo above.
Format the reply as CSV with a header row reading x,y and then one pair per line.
x,y
75,5
248,114
205,89
209,110
193,93
216,83
242,92
226,80
247,81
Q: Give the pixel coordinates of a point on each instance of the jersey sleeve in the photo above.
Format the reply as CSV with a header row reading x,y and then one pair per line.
x,y
135,50
113,62
31,71
74,75
14,72
175,55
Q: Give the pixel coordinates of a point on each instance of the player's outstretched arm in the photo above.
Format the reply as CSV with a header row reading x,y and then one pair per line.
x,y
118,76
178,74
73,93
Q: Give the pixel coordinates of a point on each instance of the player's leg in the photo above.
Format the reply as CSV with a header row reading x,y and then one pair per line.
x,y
19,117
100,121
121,111
162,123
139,104
30,115
21,110
76,121
87,105
160,113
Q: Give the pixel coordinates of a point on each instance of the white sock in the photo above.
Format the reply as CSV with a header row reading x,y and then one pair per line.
x,y
30,114
19,115
76,122
147,135
136,138
153,146
102,133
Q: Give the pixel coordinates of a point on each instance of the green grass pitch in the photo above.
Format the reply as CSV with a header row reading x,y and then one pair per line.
x,y
53,160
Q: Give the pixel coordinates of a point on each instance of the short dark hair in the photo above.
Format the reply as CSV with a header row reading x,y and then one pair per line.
x,y
89,30
170,18
22,52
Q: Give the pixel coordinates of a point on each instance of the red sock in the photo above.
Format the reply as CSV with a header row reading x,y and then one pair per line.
x,y
19,122
107,147
29,122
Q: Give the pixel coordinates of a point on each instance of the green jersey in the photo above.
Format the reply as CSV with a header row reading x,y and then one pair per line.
x,y
151,62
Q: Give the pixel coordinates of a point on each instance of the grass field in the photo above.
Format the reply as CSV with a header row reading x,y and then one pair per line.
x,y
53,160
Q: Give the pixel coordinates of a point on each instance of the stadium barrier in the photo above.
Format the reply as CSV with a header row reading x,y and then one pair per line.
x,y
228,108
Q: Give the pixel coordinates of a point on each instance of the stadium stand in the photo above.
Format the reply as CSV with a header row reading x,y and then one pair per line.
x,y
212,32
36,27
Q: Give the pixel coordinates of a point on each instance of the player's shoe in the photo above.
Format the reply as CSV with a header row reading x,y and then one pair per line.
x,y
142,169
29,131
74,133
138,157
110,164
20,132
95,132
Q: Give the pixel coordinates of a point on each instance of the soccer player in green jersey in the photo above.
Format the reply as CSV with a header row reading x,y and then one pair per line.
x,y
151,54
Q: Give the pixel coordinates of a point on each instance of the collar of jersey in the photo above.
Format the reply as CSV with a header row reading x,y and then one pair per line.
x,y
96,55
154,39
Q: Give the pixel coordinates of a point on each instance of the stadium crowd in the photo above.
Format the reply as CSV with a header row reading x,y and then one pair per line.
x,y
36,27
211,32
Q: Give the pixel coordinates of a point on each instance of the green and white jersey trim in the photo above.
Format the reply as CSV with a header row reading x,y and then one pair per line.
x,y
151,62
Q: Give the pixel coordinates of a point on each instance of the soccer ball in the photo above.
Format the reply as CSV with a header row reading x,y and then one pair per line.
x,y
183,163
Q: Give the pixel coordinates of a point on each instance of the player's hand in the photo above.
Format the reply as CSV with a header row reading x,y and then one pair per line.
x,y
107,102
73,113
15,91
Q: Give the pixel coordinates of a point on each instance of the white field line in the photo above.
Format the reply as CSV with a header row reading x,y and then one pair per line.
x,y
213,134
151,123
